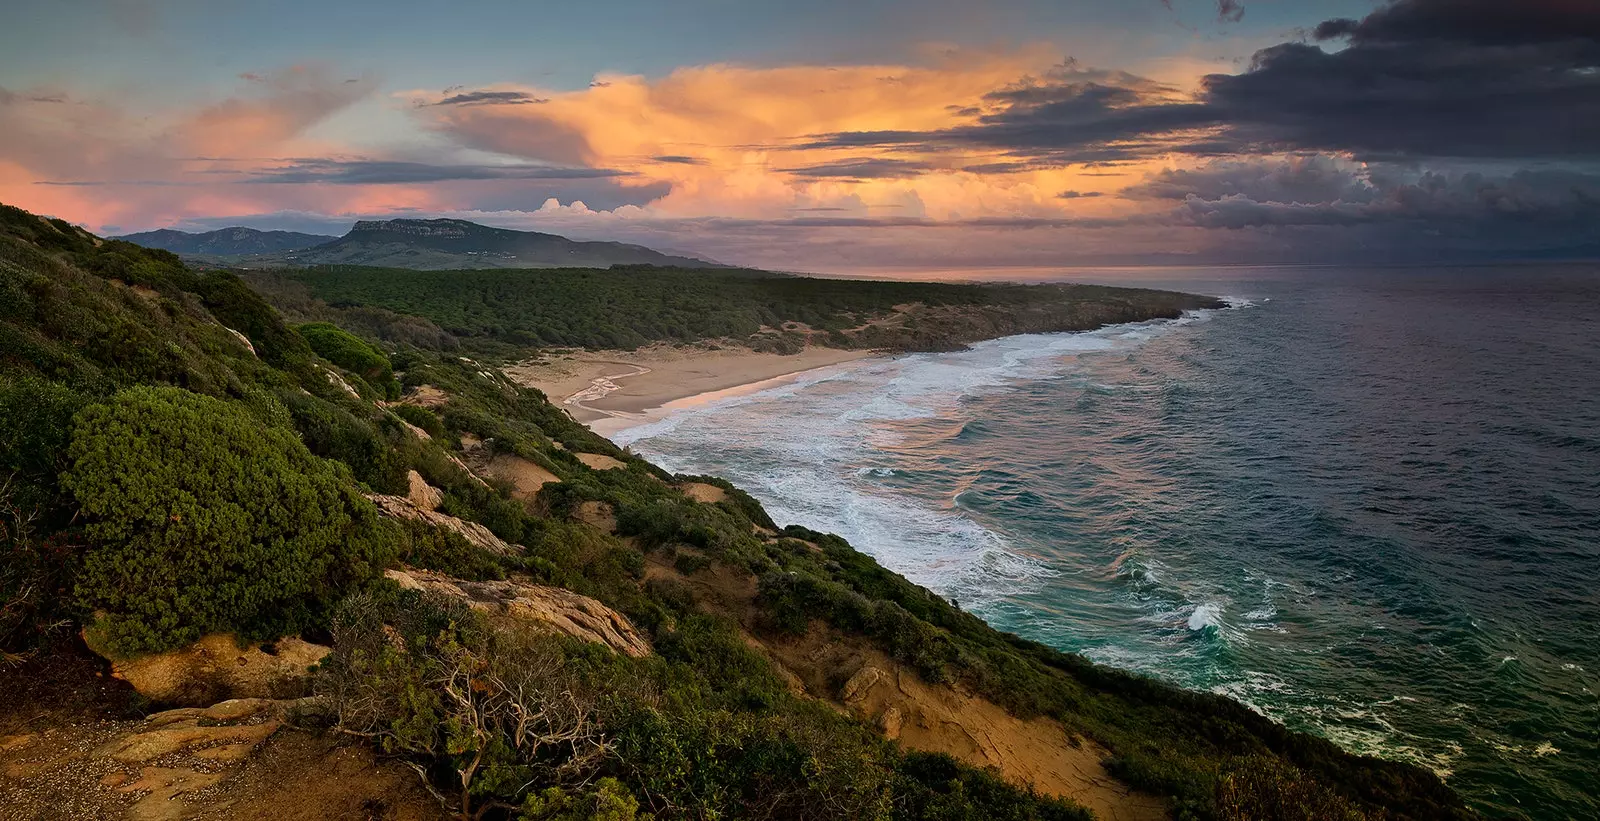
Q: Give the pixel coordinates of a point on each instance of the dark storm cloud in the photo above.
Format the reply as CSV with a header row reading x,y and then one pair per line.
x,y
1523,206
1077,195
678,159
492,98
861,168
1311,179
1418,78
381,172
1481,22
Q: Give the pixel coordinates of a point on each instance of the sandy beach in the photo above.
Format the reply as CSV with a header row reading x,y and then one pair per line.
x,y
610,390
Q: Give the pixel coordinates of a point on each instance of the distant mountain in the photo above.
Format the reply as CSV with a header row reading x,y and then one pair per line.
x,y
226,242
444,244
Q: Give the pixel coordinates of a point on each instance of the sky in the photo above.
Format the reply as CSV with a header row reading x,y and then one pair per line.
x,y
829,136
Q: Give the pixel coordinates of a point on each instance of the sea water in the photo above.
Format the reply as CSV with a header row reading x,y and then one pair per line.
x,y
1365,503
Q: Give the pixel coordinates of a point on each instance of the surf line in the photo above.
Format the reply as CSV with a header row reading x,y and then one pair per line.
x,y
600,386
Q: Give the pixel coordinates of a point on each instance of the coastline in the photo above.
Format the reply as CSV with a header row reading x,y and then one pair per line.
x,y
613,390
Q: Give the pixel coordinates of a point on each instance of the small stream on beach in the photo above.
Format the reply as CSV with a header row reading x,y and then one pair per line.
x,y
1364,503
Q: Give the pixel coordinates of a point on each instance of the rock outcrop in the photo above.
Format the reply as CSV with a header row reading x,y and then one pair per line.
x,y
216,668
237,759
548,608
401,507
422,494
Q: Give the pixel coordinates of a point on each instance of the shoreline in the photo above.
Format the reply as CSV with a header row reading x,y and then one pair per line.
x,y
612,390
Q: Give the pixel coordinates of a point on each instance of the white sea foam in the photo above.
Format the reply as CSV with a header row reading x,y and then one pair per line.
x,y
818,451
1204,616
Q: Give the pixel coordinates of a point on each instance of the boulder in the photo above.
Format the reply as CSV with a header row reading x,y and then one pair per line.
x,y
422,494
860,685
553,609
216,668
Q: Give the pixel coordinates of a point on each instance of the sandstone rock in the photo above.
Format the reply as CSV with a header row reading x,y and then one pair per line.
x,y
860,685
215,668
187,734
549,608
400,507
165,785
422,494
891,721
243,340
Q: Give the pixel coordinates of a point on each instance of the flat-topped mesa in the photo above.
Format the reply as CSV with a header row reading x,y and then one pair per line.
x,y
421,228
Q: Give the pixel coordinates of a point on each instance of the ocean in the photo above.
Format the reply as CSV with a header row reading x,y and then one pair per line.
x,y
1364,502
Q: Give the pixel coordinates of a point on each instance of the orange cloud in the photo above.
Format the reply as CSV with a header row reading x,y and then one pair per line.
x,y
729,139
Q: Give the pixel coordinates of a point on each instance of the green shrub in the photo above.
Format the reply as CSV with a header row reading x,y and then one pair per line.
x,y
608,800
352,353
35,427
422,418
931,786
201,519
333,432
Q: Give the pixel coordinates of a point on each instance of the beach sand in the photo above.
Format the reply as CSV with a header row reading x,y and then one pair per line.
x,y
611,390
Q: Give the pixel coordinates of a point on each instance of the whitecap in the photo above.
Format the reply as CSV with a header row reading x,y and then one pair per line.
x,y
1204,616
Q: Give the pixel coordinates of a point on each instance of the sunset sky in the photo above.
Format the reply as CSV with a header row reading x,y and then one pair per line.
x,y
829,135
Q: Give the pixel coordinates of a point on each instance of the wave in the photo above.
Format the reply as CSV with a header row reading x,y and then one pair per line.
x,y
823,451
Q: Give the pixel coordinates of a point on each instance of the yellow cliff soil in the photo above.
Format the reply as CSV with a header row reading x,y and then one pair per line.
x,y
933,718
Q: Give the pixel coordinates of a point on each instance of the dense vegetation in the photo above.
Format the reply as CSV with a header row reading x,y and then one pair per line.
x,y
626,307
352,353
118,371
204,519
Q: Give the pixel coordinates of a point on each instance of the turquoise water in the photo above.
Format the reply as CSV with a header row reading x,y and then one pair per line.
x,y
1366,503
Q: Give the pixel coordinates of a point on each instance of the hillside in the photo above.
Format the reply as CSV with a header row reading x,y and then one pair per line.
x,y
445,244
239,556
624,308
225,242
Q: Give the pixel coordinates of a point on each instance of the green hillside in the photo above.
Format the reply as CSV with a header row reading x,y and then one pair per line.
x,y
626,307
176,460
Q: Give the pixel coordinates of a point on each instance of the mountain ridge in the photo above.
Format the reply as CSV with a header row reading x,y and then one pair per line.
x,y
432,244
232,241
422,244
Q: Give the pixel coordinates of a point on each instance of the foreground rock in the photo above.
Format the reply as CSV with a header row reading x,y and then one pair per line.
x,y
216,668
237,759
548,608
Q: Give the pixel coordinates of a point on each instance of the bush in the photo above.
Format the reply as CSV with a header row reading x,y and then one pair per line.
x,y
35,426
609,801
202,520
423,418
333,432
352,353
